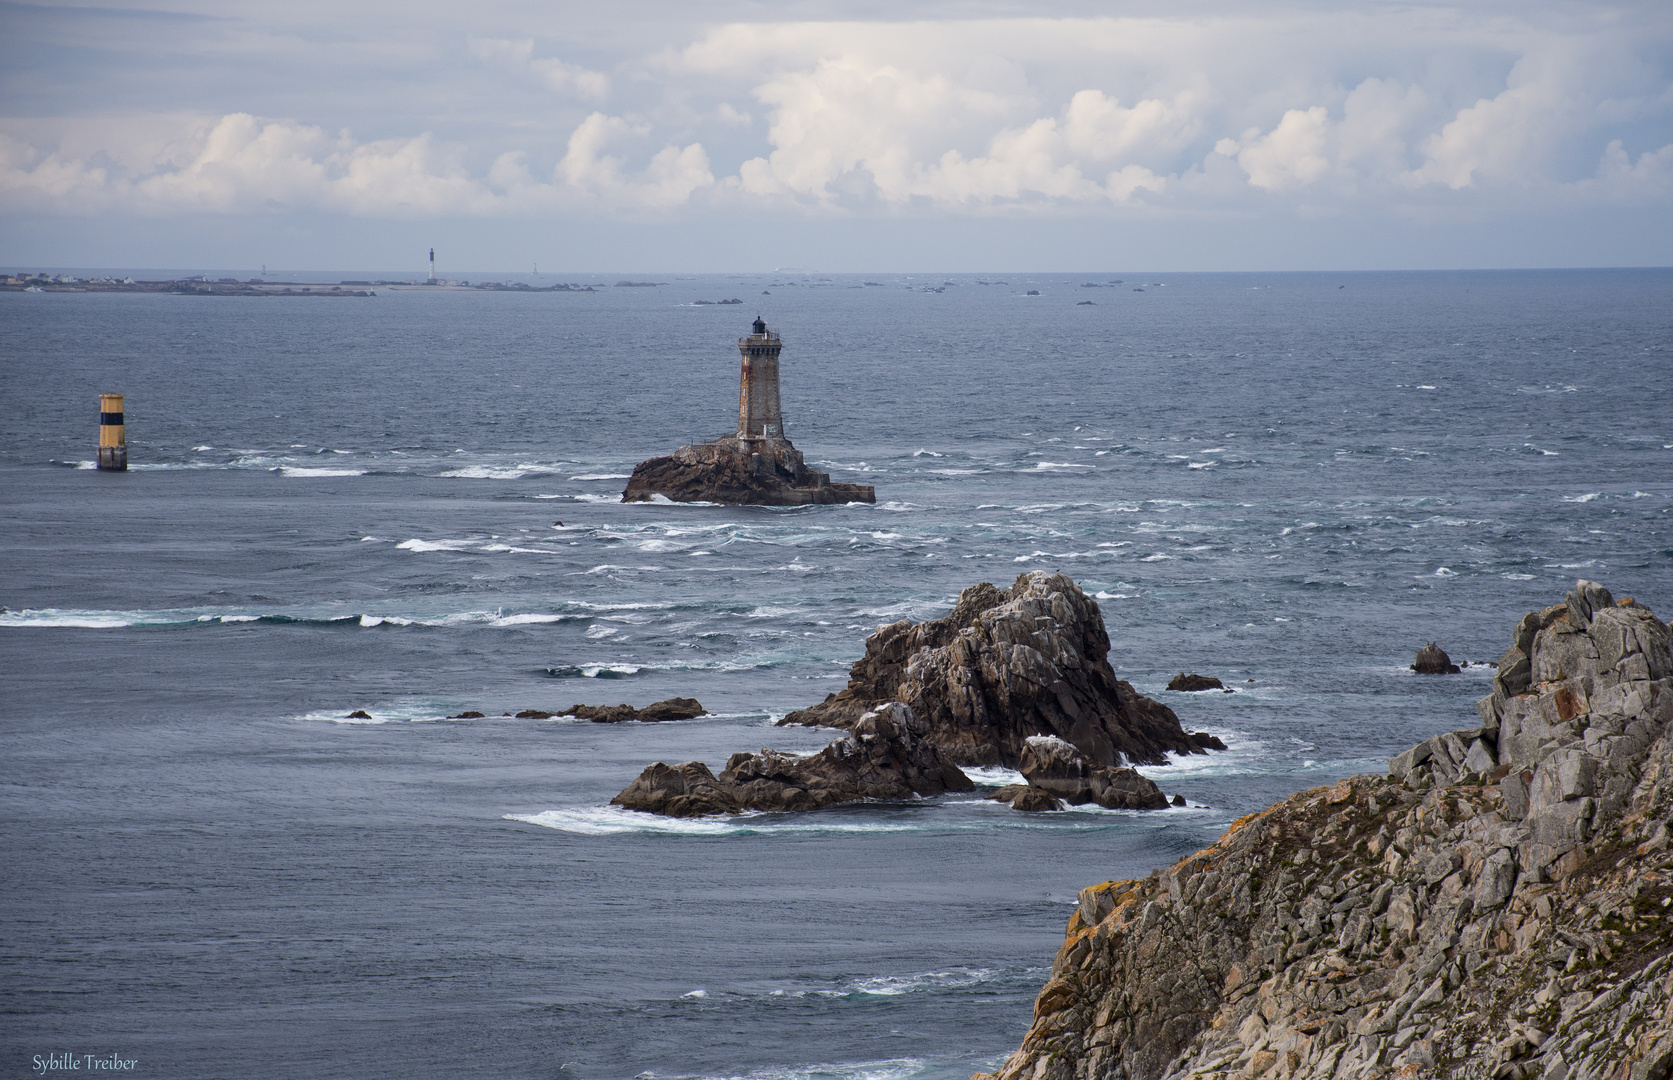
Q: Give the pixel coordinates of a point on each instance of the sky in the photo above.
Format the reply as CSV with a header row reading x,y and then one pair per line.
x,y
845,135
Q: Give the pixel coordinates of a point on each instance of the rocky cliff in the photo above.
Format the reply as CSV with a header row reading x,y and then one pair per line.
x,y
739,472
1499,905
1005,665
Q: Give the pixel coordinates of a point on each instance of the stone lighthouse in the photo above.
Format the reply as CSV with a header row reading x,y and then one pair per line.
x,y
753,466
759,413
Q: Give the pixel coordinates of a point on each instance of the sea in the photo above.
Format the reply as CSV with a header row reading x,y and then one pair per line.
x,y
407,505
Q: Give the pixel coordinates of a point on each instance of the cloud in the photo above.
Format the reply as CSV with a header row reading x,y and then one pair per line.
x,y
673,174
848,130
1506,137
1620,179
554,74
846,116
241,164
1292,154
1265,113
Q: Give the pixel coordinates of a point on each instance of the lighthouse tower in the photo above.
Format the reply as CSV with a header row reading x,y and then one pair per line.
x,y
759,414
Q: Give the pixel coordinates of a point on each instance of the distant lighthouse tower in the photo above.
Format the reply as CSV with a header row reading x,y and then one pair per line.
x,y
432,264
759,414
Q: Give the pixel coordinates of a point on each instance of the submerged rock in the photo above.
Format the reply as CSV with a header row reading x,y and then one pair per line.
x,y
1500,905
884,757
1193,683
1433,660
1005,665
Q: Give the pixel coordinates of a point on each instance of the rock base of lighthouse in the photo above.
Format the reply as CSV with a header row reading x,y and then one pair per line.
x,y
739,472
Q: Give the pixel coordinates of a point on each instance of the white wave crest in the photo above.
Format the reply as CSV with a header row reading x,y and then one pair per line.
x,y
436,545
614,821
994,775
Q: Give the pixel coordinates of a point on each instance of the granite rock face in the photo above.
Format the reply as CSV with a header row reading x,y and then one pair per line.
x,y
739,472
884,756
1005,665
1500,905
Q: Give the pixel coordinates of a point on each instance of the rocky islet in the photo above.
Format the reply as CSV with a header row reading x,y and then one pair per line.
x,y
1005,665
1019,677
739,472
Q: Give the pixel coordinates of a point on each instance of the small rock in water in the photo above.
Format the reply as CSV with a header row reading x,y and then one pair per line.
x,y
470,714
358,714
885,757
1059,769
1433,660
602,714
1202,741
680,708
534,714
1179,800
1193,683
1027,797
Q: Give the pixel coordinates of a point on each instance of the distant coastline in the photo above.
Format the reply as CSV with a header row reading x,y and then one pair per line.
x,y
206,286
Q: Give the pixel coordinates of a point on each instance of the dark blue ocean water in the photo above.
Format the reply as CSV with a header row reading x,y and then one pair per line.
x,y
352,504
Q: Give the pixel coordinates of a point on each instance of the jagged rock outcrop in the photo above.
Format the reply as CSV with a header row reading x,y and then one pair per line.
x,y
678,708
885,756
739,472
1195,683
1005,665
1433,660
1499,906
1057,771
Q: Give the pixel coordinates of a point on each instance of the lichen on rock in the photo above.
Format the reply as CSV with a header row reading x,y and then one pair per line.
x,y
1500,905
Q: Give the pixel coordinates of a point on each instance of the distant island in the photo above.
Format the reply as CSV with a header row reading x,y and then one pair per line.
x,y
207,286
